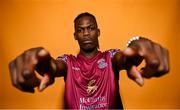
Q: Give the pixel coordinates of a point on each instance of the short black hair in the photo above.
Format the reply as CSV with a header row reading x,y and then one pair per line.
x,y
85,14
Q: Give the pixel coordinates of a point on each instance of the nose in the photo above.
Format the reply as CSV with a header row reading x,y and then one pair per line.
x,y
86,32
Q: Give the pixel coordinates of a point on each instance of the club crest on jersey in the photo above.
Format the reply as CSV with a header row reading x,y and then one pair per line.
x,y
101,63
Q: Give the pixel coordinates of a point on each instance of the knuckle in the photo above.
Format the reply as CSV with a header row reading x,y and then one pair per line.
x,y
21,81
157,47
27,74
27,55
148,43
154,64
27,52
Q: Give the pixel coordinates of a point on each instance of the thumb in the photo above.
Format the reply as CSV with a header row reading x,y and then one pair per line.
x,y
44,62
45,82
135,75
133,56
42,52
129,52
43,55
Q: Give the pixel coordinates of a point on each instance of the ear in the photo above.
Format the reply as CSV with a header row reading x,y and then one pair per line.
x,y
99,32
75,36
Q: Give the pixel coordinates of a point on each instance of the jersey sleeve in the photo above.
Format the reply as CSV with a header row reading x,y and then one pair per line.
x,y
63,58
112,52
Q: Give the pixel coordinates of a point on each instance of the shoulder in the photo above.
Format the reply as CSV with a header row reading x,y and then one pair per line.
x,y
112,52
66,57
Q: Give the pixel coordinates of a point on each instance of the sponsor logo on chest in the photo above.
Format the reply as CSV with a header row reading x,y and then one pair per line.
x,y
76,68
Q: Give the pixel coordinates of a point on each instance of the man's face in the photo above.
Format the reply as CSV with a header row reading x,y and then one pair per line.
x,y
87,32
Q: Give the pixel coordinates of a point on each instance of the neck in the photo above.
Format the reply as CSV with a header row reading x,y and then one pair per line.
x,y
89,54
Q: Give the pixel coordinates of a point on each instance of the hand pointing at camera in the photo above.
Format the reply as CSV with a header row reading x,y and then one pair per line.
x,y
23,68
156,58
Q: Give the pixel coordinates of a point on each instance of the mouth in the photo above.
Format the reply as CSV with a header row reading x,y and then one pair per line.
x,y
87,41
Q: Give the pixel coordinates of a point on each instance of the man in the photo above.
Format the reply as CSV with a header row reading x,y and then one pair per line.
x,y
91,77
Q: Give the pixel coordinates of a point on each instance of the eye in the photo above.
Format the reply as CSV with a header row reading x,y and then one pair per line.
x,y
91,28
79,30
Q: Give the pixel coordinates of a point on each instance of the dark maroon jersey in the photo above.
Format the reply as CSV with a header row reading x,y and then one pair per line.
x,y
91,83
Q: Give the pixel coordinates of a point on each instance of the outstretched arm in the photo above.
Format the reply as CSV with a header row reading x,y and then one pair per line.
x,y
156,58
22,69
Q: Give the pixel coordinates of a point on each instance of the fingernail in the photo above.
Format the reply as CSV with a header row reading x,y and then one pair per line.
x,y
139,81
42,87
161,68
